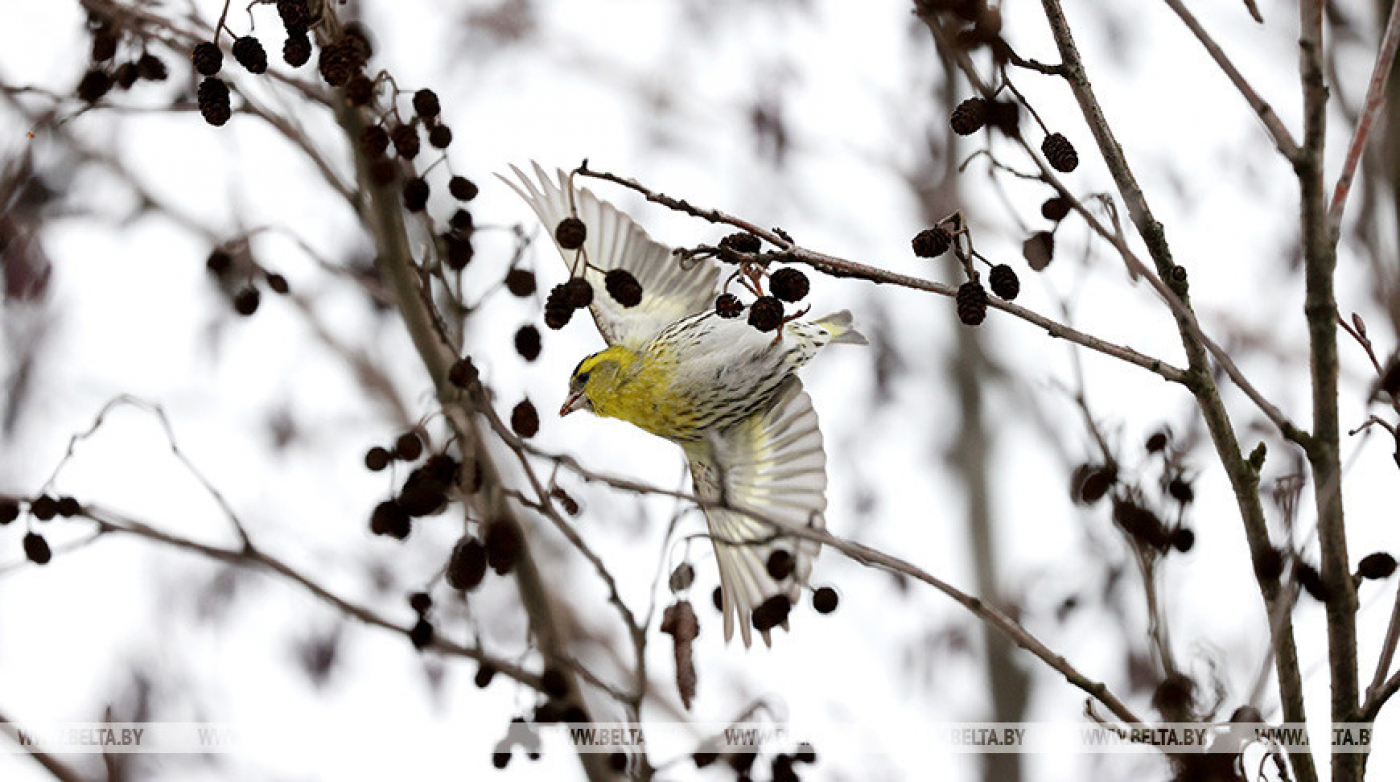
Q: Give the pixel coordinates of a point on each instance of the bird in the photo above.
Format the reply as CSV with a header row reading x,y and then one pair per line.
x,y
723,391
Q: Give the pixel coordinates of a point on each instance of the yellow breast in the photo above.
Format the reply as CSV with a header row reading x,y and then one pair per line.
x,y
645,396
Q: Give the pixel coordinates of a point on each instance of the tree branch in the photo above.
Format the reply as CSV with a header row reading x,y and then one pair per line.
x,y
1320,307
1283,140
1244,478
1375,98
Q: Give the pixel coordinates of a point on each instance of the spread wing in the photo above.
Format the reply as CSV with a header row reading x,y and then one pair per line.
x,y
774,464
614,241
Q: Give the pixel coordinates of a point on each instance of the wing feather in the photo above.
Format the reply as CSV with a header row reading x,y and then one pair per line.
x,y
773,464
615,241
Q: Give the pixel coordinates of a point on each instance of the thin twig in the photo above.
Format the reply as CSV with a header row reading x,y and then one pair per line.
x,y
1244,478
1283,140
1375,98
871,557
789,251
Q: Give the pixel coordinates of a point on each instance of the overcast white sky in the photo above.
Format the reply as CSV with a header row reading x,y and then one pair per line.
x,y
661,92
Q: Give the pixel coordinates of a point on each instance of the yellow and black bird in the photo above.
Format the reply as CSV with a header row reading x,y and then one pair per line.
x,y
716,386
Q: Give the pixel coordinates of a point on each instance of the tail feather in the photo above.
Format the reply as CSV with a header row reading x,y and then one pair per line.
x,y
838,325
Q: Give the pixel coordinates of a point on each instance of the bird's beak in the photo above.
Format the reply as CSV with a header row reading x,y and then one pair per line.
x,y
576,401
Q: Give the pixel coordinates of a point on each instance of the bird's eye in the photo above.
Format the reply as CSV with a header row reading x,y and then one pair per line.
x,y
582,378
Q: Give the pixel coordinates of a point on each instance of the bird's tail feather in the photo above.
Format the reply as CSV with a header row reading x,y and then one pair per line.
x,y
838,325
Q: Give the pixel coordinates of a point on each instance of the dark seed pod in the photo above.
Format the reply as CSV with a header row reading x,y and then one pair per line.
x,y
969,116
1269,565
932,242
1005,283
104,45
520,282
463,373
422,634
459,251
9,511
527,342
278,284
1180,490
623,287
766,313
1173,696
357,44
359,91
1055,208
294,14
771,612
207,58
806,753
461,188
682,577
94,85
377,458
442,469
972,303
789,284
1183,539
1376,566
569,504
524,419
440,137
503,547
728,305
1310,580
43,507
1039,250
36,549
578,293
125,75
213,100
151,68
1091,482
825,600
219,262
406,143
717,597
422,495
467,566
1141,524
296,50
462,221
554,683
425,103
337,62
246,301
1005,116
557,311
485,672
390,519
415,194
741,242
1156,442
374,140
780,564
408,447
1060,153
570,233
249,53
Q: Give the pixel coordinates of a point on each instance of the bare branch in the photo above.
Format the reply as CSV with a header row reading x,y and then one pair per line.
x,y
1375,98
1283,140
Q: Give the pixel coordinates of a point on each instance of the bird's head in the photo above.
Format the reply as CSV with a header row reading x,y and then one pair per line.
x,y
595,380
